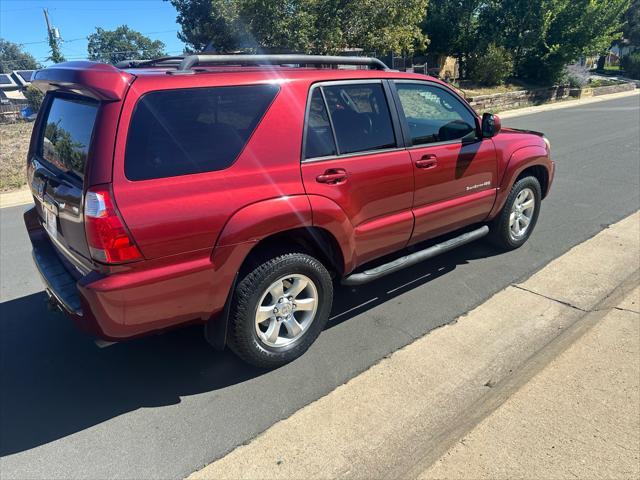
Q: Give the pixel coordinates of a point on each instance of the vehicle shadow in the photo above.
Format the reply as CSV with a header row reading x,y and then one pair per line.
x,y
55,381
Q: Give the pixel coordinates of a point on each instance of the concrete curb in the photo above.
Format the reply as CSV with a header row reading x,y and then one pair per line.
x,y
572,412
15,198
402,414
566,104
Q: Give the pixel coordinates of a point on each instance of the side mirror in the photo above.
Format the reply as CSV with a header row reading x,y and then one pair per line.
x,y
490,125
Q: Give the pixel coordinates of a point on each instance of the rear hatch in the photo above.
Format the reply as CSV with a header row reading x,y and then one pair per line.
x,y
57,171
71,148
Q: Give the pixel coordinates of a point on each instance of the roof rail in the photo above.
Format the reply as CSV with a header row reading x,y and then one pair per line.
x,y
191,61
169,61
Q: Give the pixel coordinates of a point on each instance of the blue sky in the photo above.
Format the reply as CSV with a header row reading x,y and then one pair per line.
x,y
22,21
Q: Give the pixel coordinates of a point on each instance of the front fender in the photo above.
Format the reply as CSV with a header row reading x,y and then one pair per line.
x,y
519,161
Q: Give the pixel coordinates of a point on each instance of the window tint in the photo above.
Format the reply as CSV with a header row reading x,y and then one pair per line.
x,y
360,117
178,132
67,134
434,115
319,141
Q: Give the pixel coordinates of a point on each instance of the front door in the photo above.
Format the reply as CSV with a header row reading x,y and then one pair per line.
x,y
352,157
455,170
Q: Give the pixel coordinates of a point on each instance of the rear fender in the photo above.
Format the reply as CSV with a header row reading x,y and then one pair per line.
x,y
328,215
241,233
261,219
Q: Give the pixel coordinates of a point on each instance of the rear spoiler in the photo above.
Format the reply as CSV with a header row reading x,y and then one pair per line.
x,y
97,80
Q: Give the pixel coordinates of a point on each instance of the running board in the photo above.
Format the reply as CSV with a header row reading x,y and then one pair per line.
x,y
413,258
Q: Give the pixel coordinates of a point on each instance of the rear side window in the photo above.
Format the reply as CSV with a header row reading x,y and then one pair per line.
x,y
66,135
320,141
360,117
180,132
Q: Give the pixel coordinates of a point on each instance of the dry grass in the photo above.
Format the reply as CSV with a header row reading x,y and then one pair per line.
x,y
475,90
14,143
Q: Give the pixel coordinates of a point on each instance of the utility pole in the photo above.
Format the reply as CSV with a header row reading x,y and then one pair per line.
x,y
54,37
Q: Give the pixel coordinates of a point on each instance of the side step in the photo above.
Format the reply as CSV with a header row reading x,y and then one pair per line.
x,y
413,258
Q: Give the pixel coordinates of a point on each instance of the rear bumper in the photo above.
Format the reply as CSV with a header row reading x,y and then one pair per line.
x,y
128,304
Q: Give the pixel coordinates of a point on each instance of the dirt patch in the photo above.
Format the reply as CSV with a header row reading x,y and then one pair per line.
x,y
14,143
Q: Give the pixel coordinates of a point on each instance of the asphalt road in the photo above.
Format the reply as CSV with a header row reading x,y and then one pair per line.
x,y
166,405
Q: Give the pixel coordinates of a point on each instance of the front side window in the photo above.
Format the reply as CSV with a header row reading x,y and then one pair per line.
x,y
434,115
360,116
195,130
66,134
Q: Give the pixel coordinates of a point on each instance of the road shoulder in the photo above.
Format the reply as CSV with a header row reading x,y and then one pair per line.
x,y
398,418
578,418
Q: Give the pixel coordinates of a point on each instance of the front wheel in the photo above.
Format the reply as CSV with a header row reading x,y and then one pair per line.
x,y
279,309
515,223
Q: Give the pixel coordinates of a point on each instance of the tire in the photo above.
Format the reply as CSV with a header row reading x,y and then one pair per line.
x,y
502,232
277,340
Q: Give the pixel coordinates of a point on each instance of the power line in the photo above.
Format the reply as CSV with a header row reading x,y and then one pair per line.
x,y
82,57
87,37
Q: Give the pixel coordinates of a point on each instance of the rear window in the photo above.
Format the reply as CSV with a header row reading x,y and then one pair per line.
x,y
66,135
180,132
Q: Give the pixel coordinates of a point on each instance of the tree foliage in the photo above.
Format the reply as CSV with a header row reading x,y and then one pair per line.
x,y
123,43
452,26
34,97
491,66
306,26
547,35
13,57
631,19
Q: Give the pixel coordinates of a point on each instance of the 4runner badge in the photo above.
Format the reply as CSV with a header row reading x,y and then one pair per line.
x,y
478,185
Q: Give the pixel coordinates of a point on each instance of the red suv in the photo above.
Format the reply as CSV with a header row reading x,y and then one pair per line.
x,y
237,191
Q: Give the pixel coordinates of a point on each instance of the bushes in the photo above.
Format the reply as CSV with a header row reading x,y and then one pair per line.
x,y
492,67
631,65
34,97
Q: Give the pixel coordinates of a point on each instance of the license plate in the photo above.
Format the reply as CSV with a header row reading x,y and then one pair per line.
x,y
51,222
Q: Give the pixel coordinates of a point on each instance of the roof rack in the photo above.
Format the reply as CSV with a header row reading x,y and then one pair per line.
x,y
168,61
186,64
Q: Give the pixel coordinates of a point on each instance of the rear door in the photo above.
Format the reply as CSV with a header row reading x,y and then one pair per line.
x,y
352,155
455,169
57,169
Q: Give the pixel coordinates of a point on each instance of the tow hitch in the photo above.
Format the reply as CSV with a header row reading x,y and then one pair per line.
x,y
52,302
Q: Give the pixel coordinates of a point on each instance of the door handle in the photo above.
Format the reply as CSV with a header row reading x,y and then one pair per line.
x,y
426,162
333,176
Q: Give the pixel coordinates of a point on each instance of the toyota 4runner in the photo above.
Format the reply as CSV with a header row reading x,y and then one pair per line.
x,y
237,191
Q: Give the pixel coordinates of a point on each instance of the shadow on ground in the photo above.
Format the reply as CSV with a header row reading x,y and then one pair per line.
x,y
55,381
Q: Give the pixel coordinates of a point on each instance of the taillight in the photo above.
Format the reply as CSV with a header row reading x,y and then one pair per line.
x,y
108,239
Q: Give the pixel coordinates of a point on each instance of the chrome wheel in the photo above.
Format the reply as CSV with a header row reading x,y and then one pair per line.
x,y
522,212
286,310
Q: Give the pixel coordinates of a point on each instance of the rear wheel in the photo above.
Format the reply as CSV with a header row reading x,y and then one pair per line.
x,y
515,223
279,309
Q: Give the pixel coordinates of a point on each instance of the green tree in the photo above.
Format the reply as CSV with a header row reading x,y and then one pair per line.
x,y
123,43
491,66
546,35
308,26
385,25
56,55
34,97
13,57
452,27
631,19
